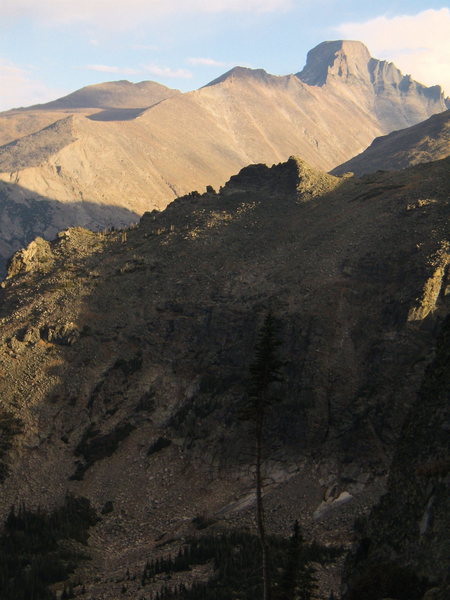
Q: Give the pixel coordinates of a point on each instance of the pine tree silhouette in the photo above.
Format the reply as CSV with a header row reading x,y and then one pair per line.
x,y
265,371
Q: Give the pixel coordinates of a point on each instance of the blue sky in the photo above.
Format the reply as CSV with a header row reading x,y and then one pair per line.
x,y
51,47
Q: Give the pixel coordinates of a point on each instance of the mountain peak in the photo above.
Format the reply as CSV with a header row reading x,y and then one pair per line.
x,y
112,94
339,58
349,61
242,73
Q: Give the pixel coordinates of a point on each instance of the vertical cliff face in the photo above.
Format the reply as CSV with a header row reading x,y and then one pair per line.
x,y
404,546
350,61
343,60
385,77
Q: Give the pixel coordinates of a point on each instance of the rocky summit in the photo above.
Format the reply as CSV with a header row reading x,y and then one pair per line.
x,y
125,358
106,154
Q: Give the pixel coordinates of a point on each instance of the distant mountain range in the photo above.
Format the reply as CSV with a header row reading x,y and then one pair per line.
x,y
105,154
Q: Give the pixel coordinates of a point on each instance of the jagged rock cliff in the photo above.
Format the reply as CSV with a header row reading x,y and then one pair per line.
x,y
124,356
386,88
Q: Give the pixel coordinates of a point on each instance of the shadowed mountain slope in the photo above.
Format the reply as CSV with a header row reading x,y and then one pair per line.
x,y
132,351
25,215
424,142
405,542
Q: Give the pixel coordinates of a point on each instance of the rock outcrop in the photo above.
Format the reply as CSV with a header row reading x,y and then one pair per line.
x,y
37,256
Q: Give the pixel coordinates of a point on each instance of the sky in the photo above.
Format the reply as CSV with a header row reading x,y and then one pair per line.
x,y
49,48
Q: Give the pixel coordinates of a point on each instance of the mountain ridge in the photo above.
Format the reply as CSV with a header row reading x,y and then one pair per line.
x,y
111,94
142,158
424,142
93,100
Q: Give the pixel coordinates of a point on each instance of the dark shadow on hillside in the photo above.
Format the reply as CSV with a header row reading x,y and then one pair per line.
x,y
189,286
117,114
25,215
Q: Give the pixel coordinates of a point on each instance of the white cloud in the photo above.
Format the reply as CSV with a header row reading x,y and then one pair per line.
x,y
19,88
418,44
206,62
125,13
167,72
112,69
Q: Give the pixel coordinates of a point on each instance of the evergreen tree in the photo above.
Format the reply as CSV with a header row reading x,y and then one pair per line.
x,y
292,564
264,373
299,582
